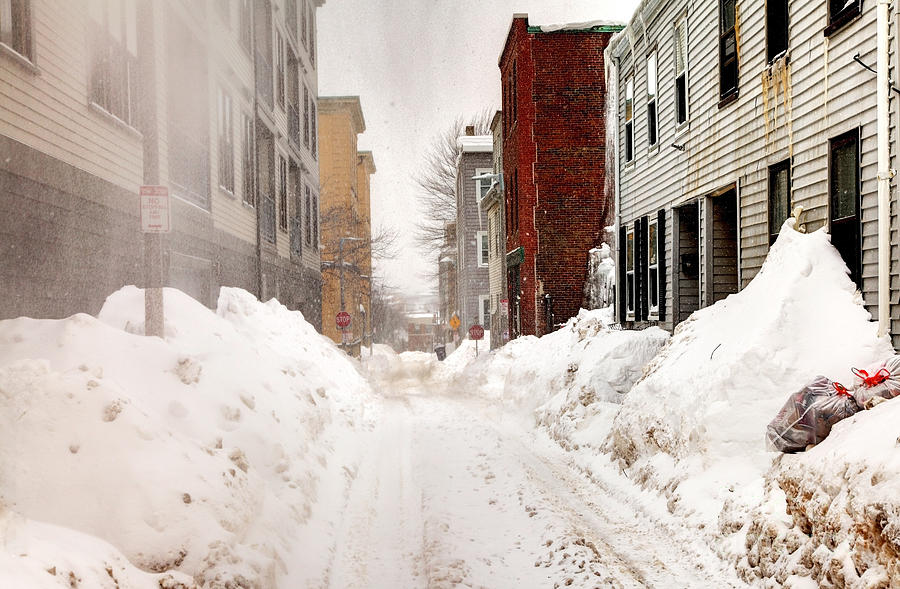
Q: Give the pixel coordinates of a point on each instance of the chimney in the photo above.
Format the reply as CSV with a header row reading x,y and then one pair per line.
x,y
470,130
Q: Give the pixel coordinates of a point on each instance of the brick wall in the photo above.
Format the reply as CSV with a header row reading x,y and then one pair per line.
x,y
555,146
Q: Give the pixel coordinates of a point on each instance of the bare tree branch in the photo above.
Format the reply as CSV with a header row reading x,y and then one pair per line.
x,y
436,181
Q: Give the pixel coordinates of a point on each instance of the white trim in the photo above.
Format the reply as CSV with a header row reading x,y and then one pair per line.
x,y
481,300
480,237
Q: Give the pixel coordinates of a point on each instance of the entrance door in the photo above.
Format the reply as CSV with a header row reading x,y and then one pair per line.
x,y
686,287
722,258
844,201
515,307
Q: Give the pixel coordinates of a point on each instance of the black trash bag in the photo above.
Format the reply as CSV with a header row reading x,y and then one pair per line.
x,y
877,383
807,416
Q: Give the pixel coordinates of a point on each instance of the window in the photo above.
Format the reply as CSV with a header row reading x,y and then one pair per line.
x,y
629,119
303,23
482,242
653,268
312,35
308,216
282,194
247,159
15,26
113,81
840,12
279,69
776,28
681,56
244,17
484,309
629,273
651,98
483,185
515,94
312,132
844,200
779,197
226,141
728,57
306,104
315,217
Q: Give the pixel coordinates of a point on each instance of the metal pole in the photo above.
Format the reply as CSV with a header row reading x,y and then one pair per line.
x,y
341,269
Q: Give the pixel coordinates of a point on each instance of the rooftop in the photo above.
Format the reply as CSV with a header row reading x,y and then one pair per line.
x,y
476,143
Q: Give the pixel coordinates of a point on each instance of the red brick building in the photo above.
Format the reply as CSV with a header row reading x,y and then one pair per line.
x,y
554,154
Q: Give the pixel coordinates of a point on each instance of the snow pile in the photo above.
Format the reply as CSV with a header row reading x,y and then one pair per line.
x,y
694,426
581,26
600,287
205,453
563,379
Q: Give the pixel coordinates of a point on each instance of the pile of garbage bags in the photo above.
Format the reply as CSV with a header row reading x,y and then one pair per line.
x,y
809,414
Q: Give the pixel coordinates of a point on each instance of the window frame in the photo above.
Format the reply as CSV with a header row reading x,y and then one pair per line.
x,y
482,299
103,49
630,277
682,113
245,33
728,92
482,240
653,99
628,105
247,155
21,42
781,19
774,170
480,189
225,138
282,190
838,20
279,67
653,269
308,216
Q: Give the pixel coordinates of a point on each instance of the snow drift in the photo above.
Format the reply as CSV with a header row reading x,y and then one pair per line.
x,y
204,453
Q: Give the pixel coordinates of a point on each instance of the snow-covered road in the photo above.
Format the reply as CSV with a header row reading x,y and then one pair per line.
x,y
452,492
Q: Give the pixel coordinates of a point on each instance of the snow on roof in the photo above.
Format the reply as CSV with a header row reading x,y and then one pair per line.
x,y
476,143
582,26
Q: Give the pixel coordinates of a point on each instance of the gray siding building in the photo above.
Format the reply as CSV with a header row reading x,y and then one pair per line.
x,y
730,114
473,285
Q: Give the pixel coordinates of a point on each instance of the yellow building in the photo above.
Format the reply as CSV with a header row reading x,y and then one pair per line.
x,y
346,231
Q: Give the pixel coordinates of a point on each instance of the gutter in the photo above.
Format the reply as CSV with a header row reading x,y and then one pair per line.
x,y
885,174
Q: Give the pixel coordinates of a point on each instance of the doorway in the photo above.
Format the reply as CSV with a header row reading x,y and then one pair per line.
x,y
686,290
722,253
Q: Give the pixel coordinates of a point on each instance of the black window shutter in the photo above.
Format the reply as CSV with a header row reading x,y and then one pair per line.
x,y
661,260
641,235
620,272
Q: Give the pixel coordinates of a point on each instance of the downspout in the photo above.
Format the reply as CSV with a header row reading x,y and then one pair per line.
x,y
884,172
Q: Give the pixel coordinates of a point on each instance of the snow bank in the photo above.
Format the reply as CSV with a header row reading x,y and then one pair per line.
x,y
580,371
202,453
694,426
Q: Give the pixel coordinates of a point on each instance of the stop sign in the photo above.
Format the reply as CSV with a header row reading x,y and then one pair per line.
x,y
342,319
476,332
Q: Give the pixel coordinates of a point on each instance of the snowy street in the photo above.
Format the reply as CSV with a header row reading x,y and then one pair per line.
x,y
451,492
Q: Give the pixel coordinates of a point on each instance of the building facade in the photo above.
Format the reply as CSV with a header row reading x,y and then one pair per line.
x,y
472,278
346,220
554,152
199,97
730,114
493,206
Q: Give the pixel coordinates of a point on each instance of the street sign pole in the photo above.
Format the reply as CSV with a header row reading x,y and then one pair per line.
x,y
155,220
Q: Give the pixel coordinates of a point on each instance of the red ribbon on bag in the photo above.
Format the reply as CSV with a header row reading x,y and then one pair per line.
x,y
841,389
874,380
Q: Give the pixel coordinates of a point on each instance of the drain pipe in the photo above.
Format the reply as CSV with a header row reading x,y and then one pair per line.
x,y
884,172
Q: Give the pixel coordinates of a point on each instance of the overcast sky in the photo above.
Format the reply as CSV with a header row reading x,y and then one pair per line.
x,y
417,65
